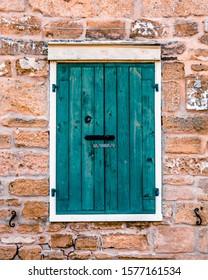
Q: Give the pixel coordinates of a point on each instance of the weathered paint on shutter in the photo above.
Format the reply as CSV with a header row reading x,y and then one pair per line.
x,y
105,99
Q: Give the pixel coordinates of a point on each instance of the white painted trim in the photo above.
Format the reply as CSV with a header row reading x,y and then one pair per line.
x,y
62,52
52,159
95,51
107,218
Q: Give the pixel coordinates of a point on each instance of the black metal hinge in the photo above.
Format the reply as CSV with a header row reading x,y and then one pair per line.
x,y
53,192
54,87
157,192
156,87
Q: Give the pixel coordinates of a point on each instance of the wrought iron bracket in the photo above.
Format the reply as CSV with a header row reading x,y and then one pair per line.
x,y
14,214
198,222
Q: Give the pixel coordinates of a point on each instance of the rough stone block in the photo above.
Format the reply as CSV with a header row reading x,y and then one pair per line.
x,y
178,193
186,124
32,67
24,122
174,239
5,141
16,47
64,29
86,243
172,49
197,93
183,145
12,5
27,98
32,139
186,165
23,164
60,8
5,68
61,240
26,25
97,29
171,92
29,187
30,253
199,67
199,54
147,29
185,28
35,210
185,214
204,39
173,70
203,241
126,241
7,252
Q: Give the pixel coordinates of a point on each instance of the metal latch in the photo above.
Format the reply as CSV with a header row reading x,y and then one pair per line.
x,y
157,192
53,192
104,145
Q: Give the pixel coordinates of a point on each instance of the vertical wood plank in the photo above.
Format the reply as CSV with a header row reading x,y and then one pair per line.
x,y
148,138
135,139
123,137
88,101
62,133
111,191
75,141
99,130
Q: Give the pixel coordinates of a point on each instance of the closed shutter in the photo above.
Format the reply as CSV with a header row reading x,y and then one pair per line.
x,y
105,176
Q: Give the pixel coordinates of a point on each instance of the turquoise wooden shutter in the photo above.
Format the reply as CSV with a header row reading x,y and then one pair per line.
x,y
105,99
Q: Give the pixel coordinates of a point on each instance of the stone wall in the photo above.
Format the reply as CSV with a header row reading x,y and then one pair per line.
x,y
181,27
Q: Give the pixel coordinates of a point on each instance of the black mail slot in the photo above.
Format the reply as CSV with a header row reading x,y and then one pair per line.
x,y
99,137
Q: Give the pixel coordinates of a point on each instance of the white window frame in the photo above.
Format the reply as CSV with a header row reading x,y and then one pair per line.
x,y
60,51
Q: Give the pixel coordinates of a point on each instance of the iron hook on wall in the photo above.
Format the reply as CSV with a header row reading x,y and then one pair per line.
x,y
198,223
14,214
